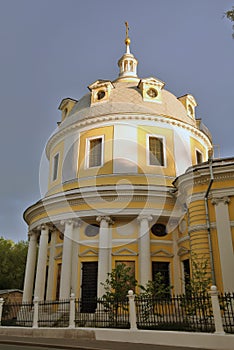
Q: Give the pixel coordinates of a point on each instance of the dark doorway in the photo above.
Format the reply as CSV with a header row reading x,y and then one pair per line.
x,y
89,287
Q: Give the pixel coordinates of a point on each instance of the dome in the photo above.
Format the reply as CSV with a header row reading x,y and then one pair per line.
x,y
126,97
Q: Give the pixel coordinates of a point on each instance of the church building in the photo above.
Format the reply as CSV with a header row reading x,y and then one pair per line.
x,y
131,180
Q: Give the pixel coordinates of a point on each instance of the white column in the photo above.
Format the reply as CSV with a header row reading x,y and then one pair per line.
x,y
30,267
224,236
51,271
104,252
65,282
75,258
41,263
145,268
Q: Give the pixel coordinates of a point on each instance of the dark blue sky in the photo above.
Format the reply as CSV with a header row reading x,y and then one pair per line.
x,y
52,49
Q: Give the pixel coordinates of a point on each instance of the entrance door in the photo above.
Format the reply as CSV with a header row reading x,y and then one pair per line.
x,y
89,286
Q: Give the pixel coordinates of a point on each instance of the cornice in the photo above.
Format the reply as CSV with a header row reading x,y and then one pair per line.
x,y
71,199
127,116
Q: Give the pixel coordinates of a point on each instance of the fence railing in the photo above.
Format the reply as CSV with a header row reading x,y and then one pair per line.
x,y
201,313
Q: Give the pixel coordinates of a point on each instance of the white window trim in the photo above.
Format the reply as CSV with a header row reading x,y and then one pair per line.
x,y
202,155
52,172
87,150
148,150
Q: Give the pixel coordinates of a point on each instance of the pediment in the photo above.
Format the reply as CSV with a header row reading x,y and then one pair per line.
x,y
89,252
162,253
124,252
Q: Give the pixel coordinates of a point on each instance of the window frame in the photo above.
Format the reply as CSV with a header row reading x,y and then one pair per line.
x,y
197,151
87,151
55,174
163,139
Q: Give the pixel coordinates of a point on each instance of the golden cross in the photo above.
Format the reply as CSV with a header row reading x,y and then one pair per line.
x,y
127,29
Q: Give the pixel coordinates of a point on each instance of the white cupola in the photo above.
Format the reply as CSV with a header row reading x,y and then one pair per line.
x,y
127,63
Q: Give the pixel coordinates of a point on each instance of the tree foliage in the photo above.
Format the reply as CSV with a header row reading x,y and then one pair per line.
x,y
119,282
200,281
12,263
230,15
157,288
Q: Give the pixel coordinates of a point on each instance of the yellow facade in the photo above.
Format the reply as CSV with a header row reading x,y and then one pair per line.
x,y
131,180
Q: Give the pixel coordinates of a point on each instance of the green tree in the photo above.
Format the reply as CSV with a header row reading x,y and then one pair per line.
x,y
156,288
154,296
196,300
230,15
12,263
116,286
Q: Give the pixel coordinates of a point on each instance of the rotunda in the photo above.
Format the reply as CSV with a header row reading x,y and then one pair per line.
x,y
112,195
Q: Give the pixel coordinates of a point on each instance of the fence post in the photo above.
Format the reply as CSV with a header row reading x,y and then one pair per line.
x,y
72,313
132,310
216,310
35,312
1,309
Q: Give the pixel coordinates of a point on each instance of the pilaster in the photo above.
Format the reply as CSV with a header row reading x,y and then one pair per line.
x,y
224,236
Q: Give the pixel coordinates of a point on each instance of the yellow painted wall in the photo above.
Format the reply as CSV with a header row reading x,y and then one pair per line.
x,y
107,167
59,148
143,162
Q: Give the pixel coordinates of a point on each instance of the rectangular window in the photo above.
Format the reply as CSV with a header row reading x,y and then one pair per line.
x,y
55,167
162,268
156,153
95,152
199,157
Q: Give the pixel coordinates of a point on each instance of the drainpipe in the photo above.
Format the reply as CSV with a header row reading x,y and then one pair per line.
x,y
208,221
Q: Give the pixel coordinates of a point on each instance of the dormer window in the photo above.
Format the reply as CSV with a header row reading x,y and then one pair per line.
x,y
100,91
151,89
189,103
101,94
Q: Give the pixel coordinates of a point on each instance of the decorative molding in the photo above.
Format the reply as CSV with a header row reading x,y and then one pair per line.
x,y
89,252
105,218
183,251
162,253
183,239
220,200
127,116
141,217
124,252
58,256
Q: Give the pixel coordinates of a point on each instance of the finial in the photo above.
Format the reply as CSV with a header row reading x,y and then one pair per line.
x,y
127,39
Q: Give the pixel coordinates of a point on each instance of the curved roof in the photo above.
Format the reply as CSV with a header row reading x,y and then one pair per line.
x,y
126,97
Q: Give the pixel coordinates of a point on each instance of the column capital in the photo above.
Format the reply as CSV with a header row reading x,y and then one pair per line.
x,y
67,222
43,227
219,200
32,235
105,218
145,217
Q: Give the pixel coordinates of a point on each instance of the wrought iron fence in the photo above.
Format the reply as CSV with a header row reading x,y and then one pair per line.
x,y
226,302
104,313
181,313
54,313
17,314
